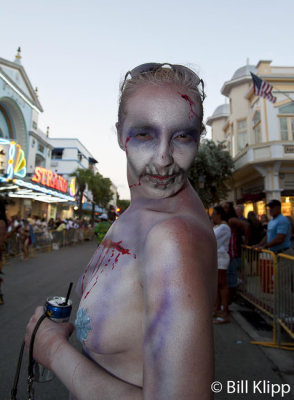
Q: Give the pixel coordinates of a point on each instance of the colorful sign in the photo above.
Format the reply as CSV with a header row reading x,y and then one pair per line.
x,y
12,160
45,177
72,187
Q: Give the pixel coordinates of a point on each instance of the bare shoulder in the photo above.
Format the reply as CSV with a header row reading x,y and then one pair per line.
x,y
184,232
184,249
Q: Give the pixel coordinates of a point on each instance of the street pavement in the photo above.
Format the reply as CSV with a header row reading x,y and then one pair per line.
x,y
28,284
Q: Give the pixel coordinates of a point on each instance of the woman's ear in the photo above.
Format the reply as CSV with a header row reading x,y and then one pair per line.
x,y
119,136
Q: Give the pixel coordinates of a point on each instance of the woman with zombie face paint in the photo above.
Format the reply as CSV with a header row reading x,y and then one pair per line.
x,y
148,293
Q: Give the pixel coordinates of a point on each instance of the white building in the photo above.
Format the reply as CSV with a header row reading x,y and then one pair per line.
x,y
68,154
259,135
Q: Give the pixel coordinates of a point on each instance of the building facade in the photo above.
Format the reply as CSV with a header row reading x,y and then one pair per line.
x,y
25,151
259,135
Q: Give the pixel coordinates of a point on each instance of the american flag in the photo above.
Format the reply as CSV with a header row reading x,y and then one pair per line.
x,y
263,88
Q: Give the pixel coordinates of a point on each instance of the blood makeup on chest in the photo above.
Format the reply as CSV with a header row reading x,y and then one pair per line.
x,y
109,255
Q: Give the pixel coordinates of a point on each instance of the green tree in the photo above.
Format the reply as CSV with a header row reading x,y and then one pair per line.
x,y
101,191
83,177
210,173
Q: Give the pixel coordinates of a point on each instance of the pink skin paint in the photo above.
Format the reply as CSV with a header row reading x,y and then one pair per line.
x,y
192,113
116,250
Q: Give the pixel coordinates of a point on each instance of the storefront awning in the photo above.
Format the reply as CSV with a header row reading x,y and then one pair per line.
x,y
19,188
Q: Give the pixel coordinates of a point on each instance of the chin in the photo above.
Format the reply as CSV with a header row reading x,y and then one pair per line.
x,y
161,191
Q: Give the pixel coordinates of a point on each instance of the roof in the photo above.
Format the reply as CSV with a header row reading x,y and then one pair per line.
x,y
222,111
240,76
244,71
26,90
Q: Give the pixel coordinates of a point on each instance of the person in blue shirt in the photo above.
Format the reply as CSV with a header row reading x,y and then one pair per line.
x,y
277,238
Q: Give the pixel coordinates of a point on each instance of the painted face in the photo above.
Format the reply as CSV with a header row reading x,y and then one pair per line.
x,y
160,135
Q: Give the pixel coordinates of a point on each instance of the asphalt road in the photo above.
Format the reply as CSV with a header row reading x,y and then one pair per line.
x,y
27,285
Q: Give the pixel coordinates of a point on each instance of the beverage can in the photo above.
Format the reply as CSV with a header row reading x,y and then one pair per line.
x,y
57,310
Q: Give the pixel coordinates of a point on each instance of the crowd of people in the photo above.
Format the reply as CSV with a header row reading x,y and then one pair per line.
x,y
22,233
231,230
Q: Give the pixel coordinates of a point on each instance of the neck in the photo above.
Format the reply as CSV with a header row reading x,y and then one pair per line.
x,y
165,204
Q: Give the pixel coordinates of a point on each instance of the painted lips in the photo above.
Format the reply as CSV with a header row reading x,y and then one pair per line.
x,y
162,180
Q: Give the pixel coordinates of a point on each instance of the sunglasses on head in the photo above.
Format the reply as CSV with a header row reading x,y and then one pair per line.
x,y
152,67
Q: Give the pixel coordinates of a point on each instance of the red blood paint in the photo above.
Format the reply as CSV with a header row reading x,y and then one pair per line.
x,y
109,244
187,98
88,292
135,184
126,142
115,247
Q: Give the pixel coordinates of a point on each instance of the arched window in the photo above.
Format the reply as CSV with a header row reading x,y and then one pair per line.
x,y
286,119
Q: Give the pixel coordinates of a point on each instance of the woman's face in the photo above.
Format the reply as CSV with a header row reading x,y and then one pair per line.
x,y
215,217
160,134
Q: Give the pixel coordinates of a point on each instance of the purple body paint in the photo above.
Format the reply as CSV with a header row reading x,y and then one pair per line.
x,y
158,328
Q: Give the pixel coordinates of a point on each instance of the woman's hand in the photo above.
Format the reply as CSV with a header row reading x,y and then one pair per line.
x,y
50,336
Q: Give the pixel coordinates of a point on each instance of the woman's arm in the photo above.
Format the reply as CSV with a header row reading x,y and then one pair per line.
x,y
179,283
83,378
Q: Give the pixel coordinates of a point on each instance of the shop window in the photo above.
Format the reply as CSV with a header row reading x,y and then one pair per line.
x,y
39,161
256,126
242,134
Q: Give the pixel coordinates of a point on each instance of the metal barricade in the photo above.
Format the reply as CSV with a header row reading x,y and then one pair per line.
x,y
258,271
268,284
13,245
58,239
47,240
69,236
285,296
43,241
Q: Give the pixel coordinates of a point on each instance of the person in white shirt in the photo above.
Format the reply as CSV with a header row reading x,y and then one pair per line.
x,y
222,233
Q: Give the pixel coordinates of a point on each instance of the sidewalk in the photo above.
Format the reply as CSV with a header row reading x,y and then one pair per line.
x,y
238,360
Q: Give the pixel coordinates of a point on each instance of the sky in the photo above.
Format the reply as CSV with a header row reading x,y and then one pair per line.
x,y
77,52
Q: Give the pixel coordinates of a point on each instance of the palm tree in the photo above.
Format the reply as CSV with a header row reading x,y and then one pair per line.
x,y
83,178
101,192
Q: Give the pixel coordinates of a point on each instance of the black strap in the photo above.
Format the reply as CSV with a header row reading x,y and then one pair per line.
x,y
30,366
31,360
17,372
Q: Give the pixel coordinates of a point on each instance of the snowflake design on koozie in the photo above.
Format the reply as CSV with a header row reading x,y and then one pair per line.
x,y
82,324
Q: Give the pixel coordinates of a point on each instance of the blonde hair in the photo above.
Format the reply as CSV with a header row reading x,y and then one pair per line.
x,y
160,77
